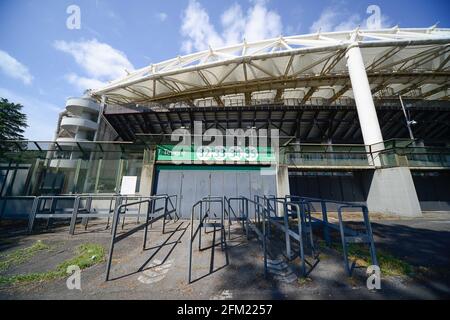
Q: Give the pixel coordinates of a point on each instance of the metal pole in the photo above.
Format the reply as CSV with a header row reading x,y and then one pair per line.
x,y
111,247
33,212
370,235
190,244
264,242
286,231
344,243
247,219
408,121
300,238
165,213
326,231
200,226
222,227
73,221
149,209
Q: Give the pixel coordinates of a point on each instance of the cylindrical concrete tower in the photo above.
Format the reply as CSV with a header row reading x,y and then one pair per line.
x,y
79,124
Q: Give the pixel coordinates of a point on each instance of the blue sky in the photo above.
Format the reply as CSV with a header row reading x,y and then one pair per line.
x,y
42,62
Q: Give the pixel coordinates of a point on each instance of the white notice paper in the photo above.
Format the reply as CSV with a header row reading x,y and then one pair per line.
x,y
128,186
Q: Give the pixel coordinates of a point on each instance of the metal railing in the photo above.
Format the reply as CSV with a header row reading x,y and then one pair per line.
x,y
19,201
297,214
347,235
50,207
358,238
390,153
78,206
203,209
86,212
152,209
230,212
259,218
297,211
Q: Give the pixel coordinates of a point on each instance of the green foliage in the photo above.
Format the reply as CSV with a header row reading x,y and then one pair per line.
x,y
12,120
19,256
389,264
29,277
88,254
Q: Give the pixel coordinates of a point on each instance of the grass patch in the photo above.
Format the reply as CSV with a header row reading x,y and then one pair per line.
x,y
29,278
303,281
389,264
87,255
16,257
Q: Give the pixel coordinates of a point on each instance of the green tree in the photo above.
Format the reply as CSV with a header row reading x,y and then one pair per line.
x,y
12,120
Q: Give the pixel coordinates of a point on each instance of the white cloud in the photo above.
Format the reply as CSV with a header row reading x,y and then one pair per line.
x,y
257,23
162,16
350,23
100,61
82,82
262,23
336,19
325,22
14,69
233,23
41,115
197,28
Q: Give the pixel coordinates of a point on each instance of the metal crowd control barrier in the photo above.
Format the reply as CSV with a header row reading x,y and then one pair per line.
x,y
241,215
204,217
4,201
301,211
354,236
324,210
259,218
152,209
169,199
47,207
82,206
88,211
366,238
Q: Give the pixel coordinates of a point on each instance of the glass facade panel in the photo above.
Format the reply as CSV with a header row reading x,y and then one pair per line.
x,y
31,171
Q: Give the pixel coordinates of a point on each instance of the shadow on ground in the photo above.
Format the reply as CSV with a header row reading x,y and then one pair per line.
x,y
161,271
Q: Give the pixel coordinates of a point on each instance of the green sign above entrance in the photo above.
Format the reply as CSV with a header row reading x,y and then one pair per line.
x,y
190,154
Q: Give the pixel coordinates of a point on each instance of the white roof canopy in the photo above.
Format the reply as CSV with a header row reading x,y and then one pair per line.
x,y
410,62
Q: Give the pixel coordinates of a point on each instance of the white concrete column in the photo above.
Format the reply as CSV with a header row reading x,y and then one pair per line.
x,y
282,186
365,107
147,173
392,190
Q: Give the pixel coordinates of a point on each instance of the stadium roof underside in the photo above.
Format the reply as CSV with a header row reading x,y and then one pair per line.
x,y
307,123
413,63
298,84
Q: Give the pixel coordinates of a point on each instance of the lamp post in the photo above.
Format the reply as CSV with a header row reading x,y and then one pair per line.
x,y
409,122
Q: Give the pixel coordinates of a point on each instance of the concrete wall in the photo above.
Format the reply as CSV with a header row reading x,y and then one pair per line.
x,y
433,189
392,191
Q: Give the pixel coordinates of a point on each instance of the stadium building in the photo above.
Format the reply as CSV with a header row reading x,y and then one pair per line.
x,y
360,116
